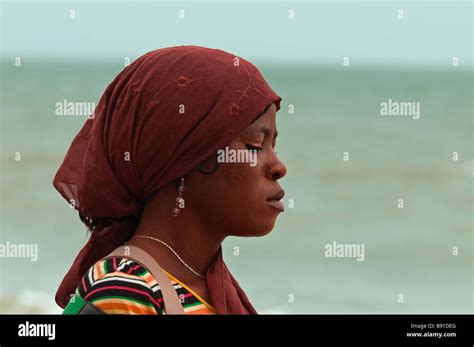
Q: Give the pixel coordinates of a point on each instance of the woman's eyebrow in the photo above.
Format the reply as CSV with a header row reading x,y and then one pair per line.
x,y
265,130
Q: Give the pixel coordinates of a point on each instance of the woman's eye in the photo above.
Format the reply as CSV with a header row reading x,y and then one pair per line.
x,y
253,148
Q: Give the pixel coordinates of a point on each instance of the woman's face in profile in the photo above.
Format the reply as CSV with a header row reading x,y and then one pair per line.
x,y
242,198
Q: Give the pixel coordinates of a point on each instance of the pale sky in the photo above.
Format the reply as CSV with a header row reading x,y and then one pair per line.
x,y
430,33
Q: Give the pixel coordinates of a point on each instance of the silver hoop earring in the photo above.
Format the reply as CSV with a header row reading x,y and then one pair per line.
x,y
201,169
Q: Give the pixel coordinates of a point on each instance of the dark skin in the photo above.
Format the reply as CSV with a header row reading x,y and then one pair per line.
x,y
230,202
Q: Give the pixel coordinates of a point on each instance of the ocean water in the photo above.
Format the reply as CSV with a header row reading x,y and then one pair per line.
x,y
408,251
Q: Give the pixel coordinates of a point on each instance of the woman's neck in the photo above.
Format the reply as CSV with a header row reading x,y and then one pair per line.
x,y
196,244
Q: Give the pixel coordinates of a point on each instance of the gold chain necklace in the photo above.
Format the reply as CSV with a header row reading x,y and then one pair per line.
x,y
172,250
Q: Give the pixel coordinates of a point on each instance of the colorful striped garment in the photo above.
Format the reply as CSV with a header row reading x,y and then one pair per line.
x,y
120,285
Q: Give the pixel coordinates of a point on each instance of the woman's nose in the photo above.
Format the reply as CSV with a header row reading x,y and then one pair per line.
x,y
277,169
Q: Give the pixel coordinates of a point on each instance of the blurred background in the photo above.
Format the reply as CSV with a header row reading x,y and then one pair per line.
x,y
333,63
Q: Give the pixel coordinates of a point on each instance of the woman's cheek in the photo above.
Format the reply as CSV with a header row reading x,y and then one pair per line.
x,y
237,172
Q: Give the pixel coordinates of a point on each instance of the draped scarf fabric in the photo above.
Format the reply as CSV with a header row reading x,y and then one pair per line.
x,y
161,116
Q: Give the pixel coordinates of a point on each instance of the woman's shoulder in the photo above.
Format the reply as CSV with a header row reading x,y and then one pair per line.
x,y
119,285
121,267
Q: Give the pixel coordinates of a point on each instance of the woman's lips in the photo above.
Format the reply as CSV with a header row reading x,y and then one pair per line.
x,y
277,204
275,200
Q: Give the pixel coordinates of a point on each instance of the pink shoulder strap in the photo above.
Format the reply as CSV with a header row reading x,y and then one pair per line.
x,y
171,301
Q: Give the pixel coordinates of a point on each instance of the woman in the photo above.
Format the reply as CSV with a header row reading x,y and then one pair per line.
x,y
147,170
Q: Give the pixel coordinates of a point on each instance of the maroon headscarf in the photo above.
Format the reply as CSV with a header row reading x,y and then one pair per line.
x,y
161,116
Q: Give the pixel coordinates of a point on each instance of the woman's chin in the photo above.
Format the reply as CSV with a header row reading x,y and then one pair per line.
x,y
261,229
